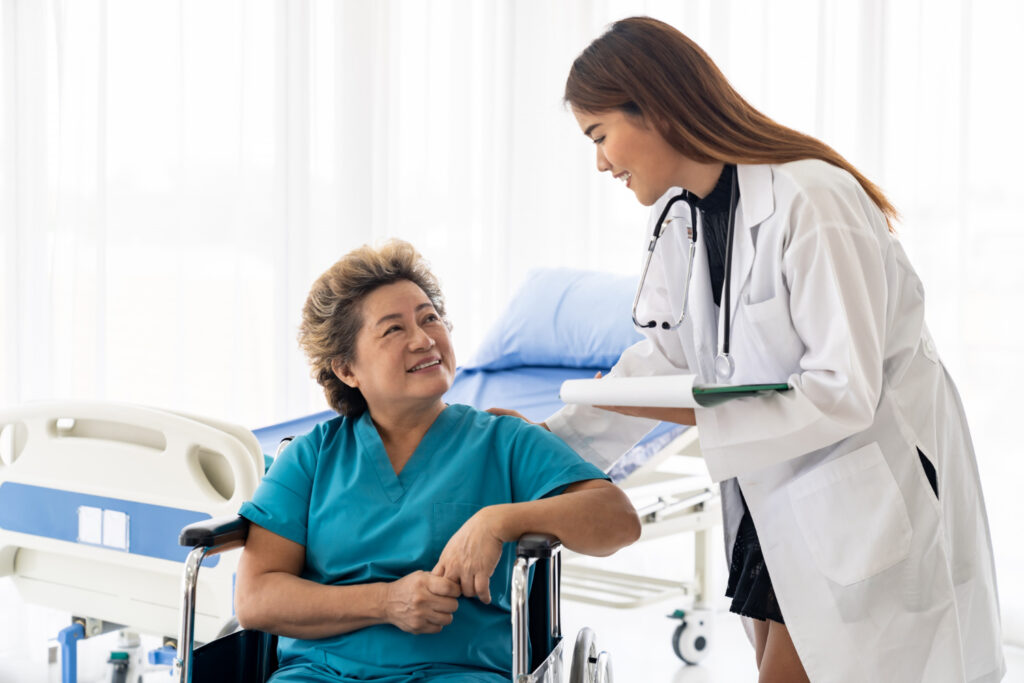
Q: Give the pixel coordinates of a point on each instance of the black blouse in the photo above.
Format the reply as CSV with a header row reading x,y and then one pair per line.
x,y
714,209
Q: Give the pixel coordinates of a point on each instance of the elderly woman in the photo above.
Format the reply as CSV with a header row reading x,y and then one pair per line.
x,y
377,549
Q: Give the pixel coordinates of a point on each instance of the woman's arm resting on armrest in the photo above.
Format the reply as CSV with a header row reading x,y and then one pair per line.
x,y
271,596
592,517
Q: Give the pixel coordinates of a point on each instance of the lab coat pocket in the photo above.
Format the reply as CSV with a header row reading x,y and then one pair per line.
x,y
769,338
767,308
852,516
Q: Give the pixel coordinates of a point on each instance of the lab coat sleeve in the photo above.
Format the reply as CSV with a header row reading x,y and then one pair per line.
x,y
601,436
834,270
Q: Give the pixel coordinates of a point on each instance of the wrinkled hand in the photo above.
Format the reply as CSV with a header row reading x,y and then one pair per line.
x,y
421,602
510,413
513,413
470,556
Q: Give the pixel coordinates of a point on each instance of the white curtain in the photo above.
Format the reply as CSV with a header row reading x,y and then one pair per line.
x,y
174,174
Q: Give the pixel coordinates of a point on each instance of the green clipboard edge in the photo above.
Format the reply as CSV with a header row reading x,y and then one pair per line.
x,y
712,396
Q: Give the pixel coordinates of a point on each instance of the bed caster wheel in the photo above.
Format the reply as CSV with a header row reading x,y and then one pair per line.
x,y
690,641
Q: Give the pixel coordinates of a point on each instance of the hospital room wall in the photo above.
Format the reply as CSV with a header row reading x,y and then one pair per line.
x,y
174,175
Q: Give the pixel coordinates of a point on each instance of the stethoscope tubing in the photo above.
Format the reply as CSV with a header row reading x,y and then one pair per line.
x,y
687,197
724,365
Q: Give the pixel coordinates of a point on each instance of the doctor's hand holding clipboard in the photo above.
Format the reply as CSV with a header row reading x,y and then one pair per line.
x,y
854,521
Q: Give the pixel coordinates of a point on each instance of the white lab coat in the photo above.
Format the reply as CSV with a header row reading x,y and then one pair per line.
x,y
877,579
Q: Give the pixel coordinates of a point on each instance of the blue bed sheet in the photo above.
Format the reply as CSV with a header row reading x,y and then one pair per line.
x,y
532,391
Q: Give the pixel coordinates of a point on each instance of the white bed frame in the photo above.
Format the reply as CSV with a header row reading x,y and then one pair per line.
x,y
119,473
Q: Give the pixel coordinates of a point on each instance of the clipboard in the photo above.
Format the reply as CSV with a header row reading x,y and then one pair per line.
x,y
661,391
713,394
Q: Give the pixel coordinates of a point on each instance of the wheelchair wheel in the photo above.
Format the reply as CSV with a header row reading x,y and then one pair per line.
x,y
690,640
604,668
584,658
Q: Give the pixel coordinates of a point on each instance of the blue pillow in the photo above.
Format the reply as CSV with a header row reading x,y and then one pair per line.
x,y
565,318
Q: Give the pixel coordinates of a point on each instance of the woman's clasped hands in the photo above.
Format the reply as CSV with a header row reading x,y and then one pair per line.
x,y
425,602
421,602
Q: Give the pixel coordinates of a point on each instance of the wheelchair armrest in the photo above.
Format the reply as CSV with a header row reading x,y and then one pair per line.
x,y
537,546
206,538
221,533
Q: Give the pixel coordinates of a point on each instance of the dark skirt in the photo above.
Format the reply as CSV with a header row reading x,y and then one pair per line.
x,y
750,586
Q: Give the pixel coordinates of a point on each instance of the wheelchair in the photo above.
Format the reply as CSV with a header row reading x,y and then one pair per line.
x,y
247,656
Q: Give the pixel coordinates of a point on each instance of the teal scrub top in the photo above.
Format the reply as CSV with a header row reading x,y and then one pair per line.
x,y
335,492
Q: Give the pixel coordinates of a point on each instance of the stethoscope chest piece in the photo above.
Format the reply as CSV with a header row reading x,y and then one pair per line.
x,y
724,366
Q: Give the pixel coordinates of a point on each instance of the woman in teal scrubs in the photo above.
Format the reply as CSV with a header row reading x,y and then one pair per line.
x,y
379,549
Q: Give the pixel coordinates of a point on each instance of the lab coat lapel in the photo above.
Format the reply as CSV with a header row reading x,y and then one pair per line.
x,y
756,204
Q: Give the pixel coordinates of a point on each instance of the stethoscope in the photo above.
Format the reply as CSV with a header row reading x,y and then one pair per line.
x,y
724,365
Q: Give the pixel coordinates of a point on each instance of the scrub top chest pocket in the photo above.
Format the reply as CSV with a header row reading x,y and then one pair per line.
x,y
852,516
449,518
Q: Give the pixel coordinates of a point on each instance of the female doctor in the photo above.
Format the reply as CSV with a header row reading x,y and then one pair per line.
x,y
855,525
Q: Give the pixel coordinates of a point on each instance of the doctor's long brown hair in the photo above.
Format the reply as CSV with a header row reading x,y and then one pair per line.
x,y
643,66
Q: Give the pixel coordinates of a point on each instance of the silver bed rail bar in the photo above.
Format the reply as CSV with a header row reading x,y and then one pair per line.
x,y
666,505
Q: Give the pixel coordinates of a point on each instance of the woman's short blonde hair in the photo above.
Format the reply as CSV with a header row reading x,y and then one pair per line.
x,y
332,316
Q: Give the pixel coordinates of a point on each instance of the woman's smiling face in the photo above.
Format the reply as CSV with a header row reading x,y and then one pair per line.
x,y
633,152
403,353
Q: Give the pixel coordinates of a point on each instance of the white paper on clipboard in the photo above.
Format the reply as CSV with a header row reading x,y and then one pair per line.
x,y
662,391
